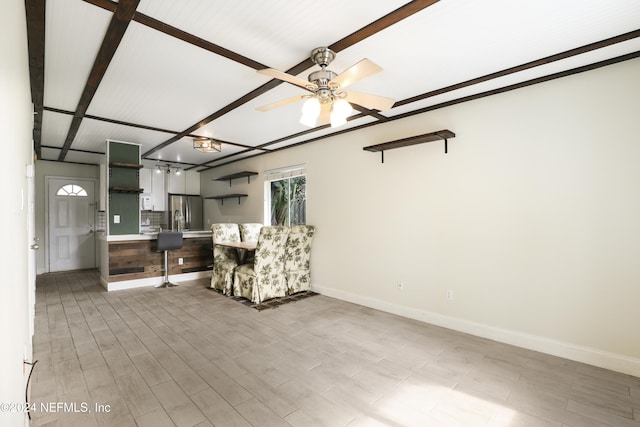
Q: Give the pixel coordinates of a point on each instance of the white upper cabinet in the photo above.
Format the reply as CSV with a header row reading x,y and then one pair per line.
x,y
176,183
159,194
145,180
153,183
193,183
186,183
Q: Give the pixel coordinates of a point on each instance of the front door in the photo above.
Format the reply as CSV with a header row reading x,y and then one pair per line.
x,y
71,224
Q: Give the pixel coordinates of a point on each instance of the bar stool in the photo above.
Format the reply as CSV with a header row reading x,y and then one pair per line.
x,y
168,241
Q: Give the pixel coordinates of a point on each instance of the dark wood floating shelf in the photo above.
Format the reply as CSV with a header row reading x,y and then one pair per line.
x,y
236,175
125,190
227,196
413,140
125,165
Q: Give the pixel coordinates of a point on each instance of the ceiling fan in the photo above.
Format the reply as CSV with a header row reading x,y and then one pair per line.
x,y
328,101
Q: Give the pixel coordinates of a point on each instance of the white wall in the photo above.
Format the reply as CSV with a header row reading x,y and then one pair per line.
x,y
532,219
16,125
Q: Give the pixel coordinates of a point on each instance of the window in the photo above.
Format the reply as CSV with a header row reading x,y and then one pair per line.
x,y
71,190
286,196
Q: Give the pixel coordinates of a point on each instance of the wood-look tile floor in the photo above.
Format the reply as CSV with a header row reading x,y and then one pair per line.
x,y
187,356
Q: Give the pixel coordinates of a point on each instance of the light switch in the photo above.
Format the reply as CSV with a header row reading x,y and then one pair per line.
x,y
116,219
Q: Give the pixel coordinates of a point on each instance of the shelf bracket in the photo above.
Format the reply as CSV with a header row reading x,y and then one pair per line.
x,y
222,200
382,155
445,146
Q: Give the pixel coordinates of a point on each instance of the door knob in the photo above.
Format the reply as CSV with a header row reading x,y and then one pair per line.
x,y
35,246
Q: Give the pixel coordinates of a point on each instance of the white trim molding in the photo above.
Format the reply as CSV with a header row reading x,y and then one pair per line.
x,y
152,281
591,356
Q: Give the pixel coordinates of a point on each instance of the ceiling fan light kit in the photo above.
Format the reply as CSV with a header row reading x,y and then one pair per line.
x,y
329,103
206,145
310,111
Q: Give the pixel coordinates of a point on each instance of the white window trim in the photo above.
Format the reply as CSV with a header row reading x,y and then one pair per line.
x,y
278,175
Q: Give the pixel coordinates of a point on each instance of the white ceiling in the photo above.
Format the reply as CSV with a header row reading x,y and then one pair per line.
x,y
157,85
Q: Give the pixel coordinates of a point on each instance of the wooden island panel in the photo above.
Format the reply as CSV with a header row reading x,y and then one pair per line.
x,y
139,259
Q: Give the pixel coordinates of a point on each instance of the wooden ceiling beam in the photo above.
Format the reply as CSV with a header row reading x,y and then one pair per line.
x,y
355,37
182,35
122,16
35,12
543,61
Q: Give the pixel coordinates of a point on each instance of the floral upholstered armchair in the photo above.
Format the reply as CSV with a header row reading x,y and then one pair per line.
x,y
224,259
297,257
249,232
264,279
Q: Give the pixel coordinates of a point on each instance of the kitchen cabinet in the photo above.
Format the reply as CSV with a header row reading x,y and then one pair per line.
x,y
176,183
153,184
187,182
158,193
192,183
145,180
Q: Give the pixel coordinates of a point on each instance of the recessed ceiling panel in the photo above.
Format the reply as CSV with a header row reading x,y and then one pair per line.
x,y
92,135
73,34
550,69
182,151
247,125
160,81
55,128
82,157
457,40
49,153
278,33
322,132
241,155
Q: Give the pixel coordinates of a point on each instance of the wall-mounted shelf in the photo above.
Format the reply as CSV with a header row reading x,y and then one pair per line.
x,y
413,140
125,165
227,196
236,175
125,190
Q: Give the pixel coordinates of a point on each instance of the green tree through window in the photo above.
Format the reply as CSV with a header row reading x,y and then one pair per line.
x,y
289,201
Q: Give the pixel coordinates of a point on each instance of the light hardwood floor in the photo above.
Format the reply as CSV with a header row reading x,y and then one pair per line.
x,y
188,356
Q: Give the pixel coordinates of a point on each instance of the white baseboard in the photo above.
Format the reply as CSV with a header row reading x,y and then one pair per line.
x,y
591,356
153,281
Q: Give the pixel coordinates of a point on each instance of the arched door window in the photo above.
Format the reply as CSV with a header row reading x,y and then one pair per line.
x,y
71,190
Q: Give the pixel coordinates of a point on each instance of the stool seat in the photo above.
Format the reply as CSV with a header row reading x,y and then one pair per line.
x,y
167,241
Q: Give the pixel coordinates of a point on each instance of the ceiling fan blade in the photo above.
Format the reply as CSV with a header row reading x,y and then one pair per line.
x,y
280,75
281,103
373,102
357,71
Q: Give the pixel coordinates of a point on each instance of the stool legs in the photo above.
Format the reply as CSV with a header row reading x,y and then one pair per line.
x,y
166,283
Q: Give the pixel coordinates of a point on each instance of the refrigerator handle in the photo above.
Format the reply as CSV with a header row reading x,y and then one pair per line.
x,y
187,214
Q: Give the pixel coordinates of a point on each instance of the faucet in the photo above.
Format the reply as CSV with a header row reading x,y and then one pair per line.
x,y
178,219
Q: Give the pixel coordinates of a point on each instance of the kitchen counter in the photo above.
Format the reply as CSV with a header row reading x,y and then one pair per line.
x,y
151,236
132,260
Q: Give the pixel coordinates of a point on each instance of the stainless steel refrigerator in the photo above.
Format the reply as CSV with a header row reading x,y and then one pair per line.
x,y
185,212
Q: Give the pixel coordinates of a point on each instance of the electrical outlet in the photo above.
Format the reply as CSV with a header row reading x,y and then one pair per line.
x,y
180,261
449,294
116,219
400,286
